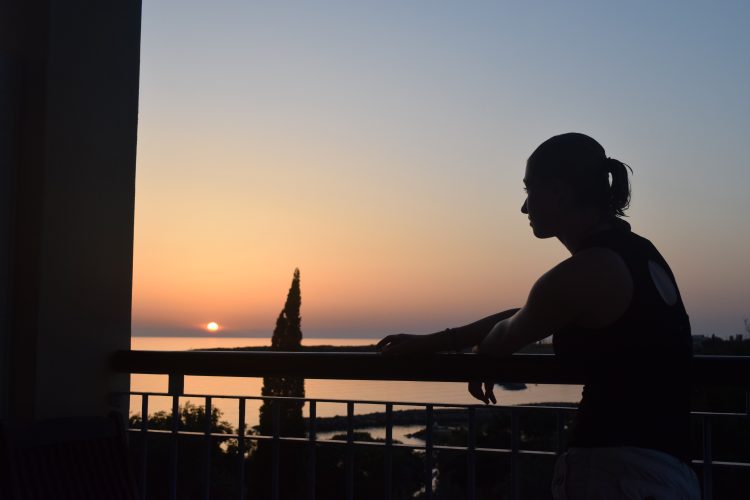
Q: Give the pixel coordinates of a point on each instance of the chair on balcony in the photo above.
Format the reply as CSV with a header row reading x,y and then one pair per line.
x,y
67,458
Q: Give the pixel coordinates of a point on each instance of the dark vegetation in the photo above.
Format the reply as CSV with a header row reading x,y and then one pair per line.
x,y
194,452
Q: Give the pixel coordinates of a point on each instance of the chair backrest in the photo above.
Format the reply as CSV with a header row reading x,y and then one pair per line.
x,y
68,458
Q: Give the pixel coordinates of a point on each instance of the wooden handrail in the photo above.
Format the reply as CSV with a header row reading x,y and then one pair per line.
x,y
522,368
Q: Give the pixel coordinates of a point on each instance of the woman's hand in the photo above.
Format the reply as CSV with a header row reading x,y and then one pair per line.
x,y
486,394
403,343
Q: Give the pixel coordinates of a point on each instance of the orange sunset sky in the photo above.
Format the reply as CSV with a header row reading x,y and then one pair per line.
x,y
380,148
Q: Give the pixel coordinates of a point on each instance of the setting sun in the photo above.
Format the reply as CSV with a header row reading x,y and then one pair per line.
x,y
212,326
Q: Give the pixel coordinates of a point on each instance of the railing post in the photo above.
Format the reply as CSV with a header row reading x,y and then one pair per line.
x,y
176,389
388,451
275,451
311,455
515,466
471,458
207,439
173,455
560,424
428,446
349,450
144,447
241,448
176,384
707,459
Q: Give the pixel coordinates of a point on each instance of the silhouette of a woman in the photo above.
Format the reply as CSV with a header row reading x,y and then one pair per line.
x,y
614,308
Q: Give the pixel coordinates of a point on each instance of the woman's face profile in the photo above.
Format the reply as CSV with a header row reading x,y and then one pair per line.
x,y
542,204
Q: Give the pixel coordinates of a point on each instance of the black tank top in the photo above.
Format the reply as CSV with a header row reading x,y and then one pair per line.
x,y
637,390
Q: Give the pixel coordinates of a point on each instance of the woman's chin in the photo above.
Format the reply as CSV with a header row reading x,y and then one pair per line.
x,y
541,233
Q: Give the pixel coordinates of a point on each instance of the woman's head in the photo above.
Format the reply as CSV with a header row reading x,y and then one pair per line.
x,y
570,175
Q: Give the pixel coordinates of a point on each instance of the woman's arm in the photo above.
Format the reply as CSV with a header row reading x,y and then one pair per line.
x,y
451,339
591,288
473,333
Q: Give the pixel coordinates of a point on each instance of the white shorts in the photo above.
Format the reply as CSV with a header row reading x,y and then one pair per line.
x,y
622,472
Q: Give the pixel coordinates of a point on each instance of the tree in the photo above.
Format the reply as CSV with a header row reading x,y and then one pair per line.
x,y
195,452
191,418
287,336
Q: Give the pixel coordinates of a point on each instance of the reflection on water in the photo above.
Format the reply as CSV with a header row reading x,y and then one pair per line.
x,y
400,433
370,390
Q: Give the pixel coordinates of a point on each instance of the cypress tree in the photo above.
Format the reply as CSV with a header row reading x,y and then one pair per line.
x,y
287,336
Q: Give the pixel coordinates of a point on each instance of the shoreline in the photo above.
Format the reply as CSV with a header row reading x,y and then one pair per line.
x,y
446,417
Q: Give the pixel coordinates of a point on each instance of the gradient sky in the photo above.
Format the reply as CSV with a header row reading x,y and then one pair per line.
x,y
380,147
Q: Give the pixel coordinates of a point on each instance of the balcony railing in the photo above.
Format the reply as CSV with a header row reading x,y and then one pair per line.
x,y
722,371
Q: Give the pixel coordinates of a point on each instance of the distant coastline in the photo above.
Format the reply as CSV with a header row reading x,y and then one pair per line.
x,y
304,348
227,334
445,417
151,332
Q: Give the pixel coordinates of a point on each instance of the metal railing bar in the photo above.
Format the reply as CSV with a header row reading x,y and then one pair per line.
x,y
207,462
241,449
428,447
471,456
186,433
376,444
252,437
173,449
707,459
375,402
350,450
515,473
388,451
436,447
311,453
562,409
505,451
144,447
718,414
720,463
355,443
276,444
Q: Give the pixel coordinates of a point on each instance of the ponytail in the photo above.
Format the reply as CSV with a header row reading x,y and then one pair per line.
x,y
619,191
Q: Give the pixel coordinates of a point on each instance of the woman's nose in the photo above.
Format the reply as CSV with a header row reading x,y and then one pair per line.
x,y
524,207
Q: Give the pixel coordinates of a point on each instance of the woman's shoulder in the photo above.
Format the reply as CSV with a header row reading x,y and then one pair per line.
x,y
594,263
598,283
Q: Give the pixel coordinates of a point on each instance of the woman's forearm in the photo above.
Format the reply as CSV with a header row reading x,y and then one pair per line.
x,y
459,338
